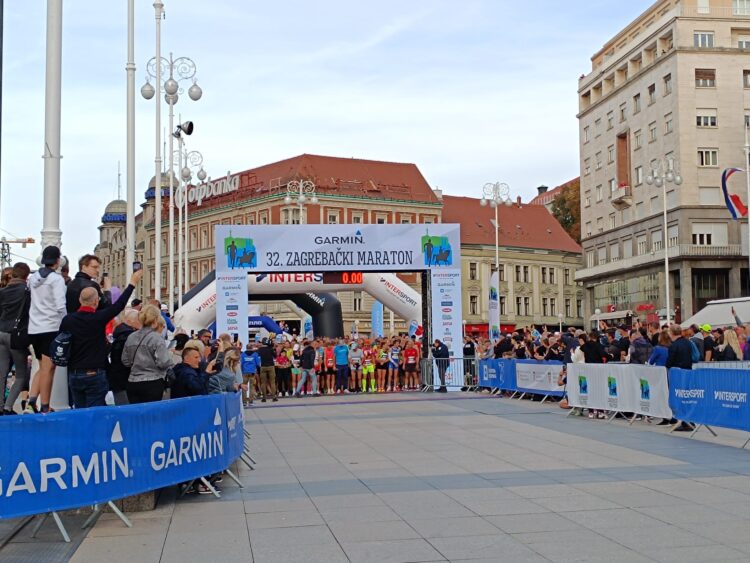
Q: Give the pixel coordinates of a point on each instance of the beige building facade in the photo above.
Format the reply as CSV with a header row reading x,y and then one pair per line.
x,y
673,86
360,191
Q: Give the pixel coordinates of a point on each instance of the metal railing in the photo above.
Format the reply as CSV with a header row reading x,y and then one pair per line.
x,y
722,365
448,372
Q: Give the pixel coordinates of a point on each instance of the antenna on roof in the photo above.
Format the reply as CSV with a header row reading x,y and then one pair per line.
x,y
119,182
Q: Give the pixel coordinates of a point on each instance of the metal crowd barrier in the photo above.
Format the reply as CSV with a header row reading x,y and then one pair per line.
x,y
455,372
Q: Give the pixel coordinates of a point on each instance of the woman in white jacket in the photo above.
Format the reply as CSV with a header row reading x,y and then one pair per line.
x,y
47,310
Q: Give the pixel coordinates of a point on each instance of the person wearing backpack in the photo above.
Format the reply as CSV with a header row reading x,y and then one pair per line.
x,y
87,364
14,320
46,312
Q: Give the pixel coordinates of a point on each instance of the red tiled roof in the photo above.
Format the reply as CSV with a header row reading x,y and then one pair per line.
x,y
527,226
333,175
547,197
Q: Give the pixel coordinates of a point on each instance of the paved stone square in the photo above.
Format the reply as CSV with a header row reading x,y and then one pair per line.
x,y
457,478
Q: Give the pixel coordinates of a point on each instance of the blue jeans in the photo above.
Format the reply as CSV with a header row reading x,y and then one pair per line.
x,y
89,387
307,374
342,377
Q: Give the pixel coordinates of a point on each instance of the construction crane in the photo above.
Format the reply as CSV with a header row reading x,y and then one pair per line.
x,y
5,256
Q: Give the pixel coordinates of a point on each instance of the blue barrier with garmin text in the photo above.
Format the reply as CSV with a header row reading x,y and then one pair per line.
x,y
82,457
715,397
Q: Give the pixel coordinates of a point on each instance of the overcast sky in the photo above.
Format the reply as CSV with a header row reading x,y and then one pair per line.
x,y
471,91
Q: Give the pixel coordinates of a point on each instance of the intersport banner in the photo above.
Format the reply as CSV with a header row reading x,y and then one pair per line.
x,y
77,458
335,248
232,308
619,387
716,397
538,377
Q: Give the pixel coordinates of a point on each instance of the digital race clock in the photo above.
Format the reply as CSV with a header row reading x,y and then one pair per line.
x,y
342,278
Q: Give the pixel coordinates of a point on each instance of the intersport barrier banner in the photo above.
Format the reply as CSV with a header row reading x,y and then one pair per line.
x,y
497,374
619,387
537,377
715,397
82,457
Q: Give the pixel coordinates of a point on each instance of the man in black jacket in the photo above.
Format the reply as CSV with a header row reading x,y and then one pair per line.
x,y
89,272
117,372
189,379
680,355
87,366
14,304
441,354
307,364
267,371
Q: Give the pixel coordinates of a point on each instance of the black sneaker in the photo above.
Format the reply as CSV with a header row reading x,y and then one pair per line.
x,y
275,400
264,400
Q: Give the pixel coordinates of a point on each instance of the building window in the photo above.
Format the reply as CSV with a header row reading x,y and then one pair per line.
x,y
614,252
586,134
741,7
704,7
705,78
204,237
567,276
567,309
744,42
652,132
527,306
333,217
473,305
672,236
652,94
599,225
357,301
610,154
544,275
473,271
612,187
637,140
526,274
552,276
587,167
587,201
656,241
356,218
552,307
503,306
602,255
597,127
612,223
590,259
623,112
406,220
746,78
579,308
598,157
668,124
703,39
707,118
667,84
641,245
636,103
544,307
708,158
194,273
264,218
708,234
598,193
638,175
501,273
519,307
610,120
380,220
588,228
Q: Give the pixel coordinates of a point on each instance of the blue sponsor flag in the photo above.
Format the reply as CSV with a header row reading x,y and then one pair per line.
x,y
376,319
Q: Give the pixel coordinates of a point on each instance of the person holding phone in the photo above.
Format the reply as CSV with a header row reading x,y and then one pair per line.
x,y
87,276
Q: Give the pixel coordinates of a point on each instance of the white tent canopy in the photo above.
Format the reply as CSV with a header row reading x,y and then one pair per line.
x,y
719,313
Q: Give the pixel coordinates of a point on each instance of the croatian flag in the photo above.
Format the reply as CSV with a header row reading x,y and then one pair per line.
x,y
734,203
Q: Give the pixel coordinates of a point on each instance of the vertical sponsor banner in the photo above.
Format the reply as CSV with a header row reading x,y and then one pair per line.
x,y
619,387
446,320
231,304
494,301
376,319
307,328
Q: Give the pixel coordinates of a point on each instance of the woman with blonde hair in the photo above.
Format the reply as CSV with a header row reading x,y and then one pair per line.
x,y
230,376
146,354
729,350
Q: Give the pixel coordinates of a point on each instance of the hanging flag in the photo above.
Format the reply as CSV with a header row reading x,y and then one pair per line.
x,y
733,202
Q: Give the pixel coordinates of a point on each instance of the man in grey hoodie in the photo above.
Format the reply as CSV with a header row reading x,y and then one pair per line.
x,y
45,314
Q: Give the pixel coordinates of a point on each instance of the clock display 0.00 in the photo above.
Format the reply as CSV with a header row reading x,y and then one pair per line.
x,y
343,278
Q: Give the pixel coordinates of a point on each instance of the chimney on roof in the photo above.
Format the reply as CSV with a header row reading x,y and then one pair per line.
x,y
518,201
542,189
438,193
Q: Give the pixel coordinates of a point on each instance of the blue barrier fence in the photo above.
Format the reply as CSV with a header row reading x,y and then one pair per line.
x,y
497,374
525,376
714,397
82,457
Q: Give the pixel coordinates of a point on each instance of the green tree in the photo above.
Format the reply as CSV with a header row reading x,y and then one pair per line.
x,y
566,208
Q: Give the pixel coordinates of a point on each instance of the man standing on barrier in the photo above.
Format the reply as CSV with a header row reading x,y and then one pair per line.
x,y
87,367
441,354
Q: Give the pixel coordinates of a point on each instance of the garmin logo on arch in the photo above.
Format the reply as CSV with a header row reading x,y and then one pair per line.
x,y
356,238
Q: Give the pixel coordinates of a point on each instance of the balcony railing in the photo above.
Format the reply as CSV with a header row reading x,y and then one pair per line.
x,y
679,251
622,197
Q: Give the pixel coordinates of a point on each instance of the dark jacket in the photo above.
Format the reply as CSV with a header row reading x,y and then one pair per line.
x,y
307,359
267,356
78,284
117,373
680,354
89,345
440,351
12,303
188,382
640,350
592,352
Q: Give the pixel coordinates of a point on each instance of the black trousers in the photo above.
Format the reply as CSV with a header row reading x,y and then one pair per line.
x,y
145,391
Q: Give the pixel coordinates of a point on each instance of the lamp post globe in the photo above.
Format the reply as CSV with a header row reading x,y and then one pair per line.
x,y
185,173
147,91
195,92
202,174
